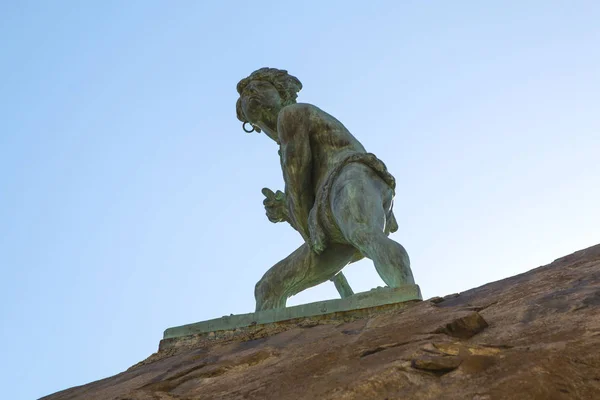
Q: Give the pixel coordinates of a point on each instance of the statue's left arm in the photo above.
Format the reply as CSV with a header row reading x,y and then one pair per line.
x,y
296,163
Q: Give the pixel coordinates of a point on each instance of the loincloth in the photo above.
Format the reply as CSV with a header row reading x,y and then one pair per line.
x,y
321,224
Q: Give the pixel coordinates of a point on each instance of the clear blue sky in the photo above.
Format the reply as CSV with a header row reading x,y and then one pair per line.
x,y
130,196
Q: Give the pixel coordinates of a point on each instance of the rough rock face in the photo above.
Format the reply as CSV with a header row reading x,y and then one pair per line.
x,y
532,336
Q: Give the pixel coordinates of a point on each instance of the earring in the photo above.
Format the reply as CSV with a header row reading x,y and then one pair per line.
x,y
248,130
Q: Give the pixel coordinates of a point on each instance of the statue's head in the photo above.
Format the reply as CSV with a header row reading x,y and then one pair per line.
x,y
263,94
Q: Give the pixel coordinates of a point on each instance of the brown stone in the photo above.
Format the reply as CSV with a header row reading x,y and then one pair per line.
x,y
454,349
542,342
436,300
436,363
464,327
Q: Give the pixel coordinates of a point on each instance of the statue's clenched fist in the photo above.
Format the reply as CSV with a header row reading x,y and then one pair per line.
x,y
275,205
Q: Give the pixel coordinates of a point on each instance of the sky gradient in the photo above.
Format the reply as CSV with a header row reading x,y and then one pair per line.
x,y
130,196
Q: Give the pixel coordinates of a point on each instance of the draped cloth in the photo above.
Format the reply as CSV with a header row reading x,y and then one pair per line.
x,y
321,223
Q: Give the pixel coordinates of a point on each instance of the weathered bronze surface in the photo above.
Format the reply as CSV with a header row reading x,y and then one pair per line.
x,y
329,309
337,196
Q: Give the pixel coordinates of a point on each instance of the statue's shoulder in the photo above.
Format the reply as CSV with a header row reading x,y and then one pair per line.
x,y
295,115
298,108
298,112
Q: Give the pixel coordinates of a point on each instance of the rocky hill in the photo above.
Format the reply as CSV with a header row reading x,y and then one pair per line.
x,y
531,336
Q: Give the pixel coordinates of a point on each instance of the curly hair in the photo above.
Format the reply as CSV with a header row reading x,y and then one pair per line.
x,y
287,85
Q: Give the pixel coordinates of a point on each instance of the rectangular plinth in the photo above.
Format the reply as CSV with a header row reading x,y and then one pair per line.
x,y
372,298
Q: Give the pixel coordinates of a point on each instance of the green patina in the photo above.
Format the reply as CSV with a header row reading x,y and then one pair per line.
x,y
373,298
337,196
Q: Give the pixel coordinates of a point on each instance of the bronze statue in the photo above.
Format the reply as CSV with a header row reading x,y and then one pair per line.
x,y
337,196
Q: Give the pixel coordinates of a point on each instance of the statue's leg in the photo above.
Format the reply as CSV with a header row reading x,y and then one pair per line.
x,y
360,201
298,271
342,285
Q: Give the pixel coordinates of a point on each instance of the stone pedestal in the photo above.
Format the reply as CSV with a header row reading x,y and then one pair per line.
x,y
364,300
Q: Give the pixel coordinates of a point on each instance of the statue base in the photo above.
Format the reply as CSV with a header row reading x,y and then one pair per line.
x,y
337,309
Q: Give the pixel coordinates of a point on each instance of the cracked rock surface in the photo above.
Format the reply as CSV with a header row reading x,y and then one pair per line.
x,y
531,336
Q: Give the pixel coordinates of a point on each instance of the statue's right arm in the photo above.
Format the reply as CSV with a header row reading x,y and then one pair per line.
x,y
296,163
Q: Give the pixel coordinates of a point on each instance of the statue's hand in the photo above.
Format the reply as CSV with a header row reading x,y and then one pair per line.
x,y
275,205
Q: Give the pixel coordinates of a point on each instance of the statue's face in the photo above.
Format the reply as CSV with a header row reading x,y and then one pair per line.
x,y
261,104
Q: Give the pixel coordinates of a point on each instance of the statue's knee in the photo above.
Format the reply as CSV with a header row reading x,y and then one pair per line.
x,y
265,289
267,297
260,289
